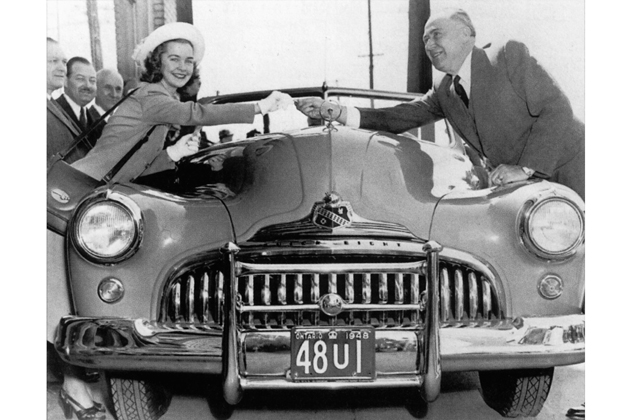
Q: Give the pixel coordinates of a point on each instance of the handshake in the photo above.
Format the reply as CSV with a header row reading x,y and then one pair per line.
x,y
315,108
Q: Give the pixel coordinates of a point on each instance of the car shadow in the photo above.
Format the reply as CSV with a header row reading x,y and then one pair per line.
x,y
311,401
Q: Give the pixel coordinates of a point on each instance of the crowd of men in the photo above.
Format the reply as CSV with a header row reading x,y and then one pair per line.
x,y
77,96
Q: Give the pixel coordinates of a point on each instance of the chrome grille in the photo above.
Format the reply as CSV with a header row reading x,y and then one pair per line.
x,y
195,297
466,296
298,294
284,298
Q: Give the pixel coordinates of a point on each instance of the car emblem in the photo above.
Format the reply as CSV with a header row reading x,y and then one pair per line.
x,y
332,212
60,196
331,304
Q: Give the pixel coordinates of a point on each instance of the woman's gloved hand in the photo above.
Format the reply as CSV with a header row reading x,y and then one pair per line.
x,y
274,102
186,146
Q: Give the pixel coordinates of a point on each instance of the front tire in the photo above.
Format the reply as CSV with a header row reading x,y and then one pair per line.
x,y
516,393
137,398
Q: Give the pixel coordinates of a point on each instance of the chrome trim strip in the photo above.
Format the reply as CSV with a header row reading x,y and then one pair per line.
x,y
266,290
231,388
284,384
349,291
486,298
315,288
176,300
375,268
204,297
415,288
459,295
333,283
220,315
445,295
473,296
282,289
345,307
298,290
366,288
191,307
433,375
399,287
383,290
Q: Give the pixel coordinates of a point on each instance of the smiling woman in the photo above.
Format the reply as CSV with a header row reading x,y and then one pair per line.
x,y
137,141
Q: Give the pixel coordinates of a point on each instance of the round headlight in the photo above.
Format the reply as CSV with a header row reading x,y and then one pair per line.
x,y
107,231
555,227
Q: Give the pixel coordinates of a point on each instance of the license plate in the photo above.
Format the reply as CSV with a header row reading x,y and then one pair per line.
x,y
328,353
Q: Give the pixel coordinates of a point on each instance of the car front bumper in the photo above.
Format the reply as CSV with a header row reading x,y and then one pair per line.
x,y
142,345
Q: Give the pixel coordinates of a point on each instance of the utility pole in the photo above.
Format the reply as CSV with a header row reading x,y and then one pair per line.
x,y
371,54
94,34
370,48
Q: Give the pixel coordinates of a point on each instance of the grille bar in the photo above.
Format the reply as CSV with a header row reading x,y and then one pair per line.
x,y
246,268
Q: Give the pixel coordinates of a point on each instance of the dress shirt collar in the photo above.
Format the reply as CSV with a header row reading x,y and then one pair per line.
x,y
74,106
99,109
465,74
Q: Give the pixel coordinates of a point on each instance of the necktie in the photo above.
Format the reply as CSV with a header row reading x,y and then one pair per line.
x,y
83,118
460,91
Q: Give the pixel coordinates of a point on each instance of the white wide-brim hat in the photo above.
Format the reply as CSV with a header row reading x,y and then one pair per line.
x,y
168,32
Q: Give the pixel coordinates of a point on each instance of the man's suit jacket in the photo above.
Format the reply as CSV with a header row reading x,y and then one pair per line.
x,y
151,106
517,115
92,116
61,131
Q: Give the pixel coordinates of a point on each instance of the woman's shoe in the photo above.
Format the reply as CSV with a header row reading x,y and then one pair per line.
x,y
70,406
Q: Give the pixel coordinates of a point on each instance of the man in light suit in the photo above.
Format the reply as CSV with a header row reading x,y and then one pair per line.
x,y
109,89
61,130
499,99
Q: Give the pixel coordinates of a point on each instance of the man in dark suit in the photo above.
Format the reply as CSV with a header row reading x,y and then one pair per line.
x,y
79,91
499,99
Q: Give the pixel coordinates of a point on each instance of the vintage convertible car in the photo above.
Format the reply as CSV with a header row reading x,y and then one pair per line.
x,y
318,256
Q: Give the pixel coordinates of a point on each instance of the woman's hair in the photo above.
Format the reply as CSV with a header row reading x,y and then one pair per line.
x,y
153,64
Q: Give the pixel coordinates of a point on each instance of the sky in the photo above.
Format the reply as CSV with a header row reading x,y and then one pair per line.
x,y
274,44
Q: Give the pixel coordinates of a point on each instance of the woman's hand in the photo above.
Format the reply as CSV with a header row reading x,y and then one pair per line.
x,y
186,146
274,102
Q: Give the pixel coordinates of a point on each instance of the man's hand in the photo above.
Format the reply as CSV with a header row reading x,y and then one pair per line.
x,y
186,146
310,107
506,174
274,102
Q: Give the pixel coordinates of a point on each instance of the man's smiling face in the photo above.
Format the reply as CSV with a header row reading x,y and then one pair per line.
x,y
81,83
447,43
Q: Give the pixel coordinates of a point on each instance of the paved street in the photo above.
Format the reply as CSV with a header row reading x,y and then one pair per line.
x,y
459,400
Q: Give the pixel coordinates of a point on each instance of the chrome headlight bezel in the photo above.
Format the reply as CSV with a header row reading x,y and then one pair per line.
x,y
530,211
125,204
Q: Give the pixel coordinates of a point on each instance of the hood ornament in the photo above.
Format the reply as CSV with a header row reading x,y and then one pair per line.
x,y
332,212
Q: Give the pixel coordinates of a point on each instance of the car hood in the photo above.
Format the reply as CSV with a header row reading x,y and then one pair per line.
x,y
321,182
